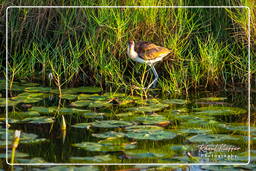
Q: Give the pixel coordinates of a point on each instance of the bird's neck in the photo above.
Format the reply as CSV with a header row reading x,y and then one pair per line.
x,y
131,52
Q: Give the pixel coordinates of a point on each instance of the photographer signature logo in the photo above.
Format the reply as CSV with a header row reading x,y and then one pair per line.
x,y
217,151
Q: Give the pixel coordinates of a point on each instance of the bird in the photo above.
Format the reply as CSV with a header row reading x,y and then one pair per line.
x,y
147,53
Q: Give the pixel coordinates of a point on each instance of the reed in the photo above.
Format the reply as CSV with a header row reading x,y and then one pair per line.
x,y
88,46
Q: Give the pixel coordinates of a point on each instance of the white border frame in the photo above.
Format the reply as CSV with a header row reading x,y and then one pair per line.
x,y
146,164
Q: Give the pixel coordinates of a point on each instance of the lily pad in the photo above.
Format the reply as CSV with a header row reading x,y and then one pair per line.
x,y
81,103
144,155
206,138
23,114
38,89
150,134
109,134
151,108
181,148
17,155
91,104
33,160
150,119
143,127
38,120
92,146
111,124
219,110
43,110
193,131
82,90
9,102
213,98
174,101
93,115
97,159
69,96
82,125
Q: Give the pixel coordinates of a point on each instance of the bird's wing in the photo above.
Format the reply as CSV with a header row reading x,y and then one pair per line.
x,y
150,51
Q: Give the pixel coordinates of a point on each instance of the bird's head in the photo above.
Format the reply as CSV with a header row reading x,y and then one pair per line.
x,y
130,43
130,50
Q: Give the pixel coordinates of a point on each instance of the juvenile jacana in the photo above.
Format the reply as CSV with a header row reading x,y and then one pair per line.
x,y
148,53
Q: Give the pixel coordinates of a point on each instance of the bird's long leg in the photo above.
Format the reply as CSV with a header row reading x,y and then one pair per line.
x,y
154,82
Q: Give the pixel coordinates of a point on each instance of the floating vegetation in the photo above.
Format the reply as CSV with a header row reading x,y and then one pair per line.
x,y
111,124
150,119
82,125
109,134
213,99
150,108
156,135
101,146
91,104
38,120
69,96
38,89
97,159
82,90
144,155
211,138
175,101
116,127
219,110
193,131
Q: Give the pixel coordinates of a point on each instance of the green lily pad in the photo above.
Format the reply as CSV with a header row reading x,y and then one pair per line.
x,y
89,146
93,115
81,103
109,134
69,96
23,114
125,114
174,101
17,155
143,127
111,124
240,128
150,119
34,141
213,98
43,110
151,108
92,146
193,131
219,110
30,84
9,102
82,90
82,125
38,89
91,104
150,134
97,159
33,160
144,155
99,104
25,138
206,138
38,120
181,148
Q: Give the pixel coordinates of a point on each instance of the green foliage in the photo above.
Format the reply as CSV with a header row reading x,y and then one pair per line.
x,y
87,46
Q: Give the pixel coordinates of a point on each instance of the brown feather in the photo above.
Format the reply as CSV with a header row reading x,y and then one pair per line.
x,y
149,51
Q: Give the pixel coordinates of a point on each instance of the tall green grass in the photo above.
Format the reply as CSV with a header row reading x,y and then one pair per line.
x,y
88,46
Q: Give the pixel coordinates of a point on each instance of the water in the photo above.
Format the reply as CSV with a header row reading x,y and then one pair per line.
x,y
205,127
